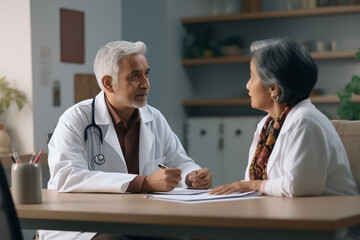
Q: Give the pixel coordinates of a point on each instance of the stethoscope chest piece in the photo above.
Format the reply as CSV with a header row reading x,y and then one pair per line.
x,y
99,159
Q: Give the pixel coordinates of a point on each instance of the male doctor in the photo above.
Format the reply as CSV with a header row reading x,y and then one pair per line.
x,y
116,142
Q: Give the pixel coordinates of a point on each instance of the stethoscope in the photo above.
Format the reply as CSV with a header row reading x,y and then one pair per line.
x,y
99,159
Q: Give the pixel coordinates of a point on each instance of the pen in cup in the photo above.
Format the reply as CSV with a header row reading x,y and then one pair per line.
x,y
32,157
162,166
15,156
37,158
12,158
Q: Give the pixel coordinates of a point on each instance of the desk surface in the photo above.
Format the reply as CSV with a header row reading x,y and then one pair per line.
x,y
305,213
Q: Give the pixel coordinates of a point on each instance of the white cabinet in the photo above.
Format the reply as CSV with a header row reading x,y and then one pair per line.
x,y
204,144
221,144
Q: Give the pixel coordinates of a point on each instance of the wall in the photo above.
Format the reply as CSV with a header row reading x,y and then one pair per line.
x,y
16,65
171,82
102,25
163,33
160,29
214,82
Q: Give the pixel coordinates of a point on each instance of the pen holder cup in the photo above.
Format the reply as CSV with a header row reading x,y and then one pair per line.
x,y
26,183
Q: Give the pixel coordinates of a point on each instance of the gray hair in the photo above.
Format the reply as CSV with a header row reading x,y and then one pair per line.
x,y
286,63
109,56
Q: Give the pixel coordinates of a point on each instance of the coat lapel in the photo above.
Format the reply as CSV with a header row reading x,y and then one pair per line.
x,y
103,119
147,137
291,117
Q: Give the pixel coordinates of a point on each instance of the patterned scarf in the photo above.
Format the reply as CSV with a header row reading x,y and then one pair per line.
x,y
265,145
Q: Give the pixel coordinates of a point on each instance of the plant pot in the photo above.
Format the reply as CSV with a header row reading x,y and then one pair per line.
x,y
4,140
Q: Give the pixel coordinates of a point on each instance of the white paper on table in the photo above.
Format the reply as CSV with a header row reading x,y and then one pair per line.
x,y
183,191
205,197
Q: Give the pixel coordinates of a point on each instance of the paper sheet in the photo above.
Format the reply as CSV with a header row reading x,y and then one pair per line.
x,y
205,197
184,191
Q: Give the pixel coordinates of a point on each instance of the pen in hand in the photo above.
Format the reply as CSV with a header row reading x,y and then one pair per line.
x,y
162,166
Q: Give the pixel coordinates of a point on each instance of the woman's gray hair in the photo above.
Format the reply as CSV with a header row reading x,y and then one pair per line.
x,y
109,56
286,63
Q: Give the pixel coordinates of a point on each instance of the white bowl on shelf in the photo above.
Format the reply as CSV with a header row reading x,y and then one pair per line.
x,y
231,51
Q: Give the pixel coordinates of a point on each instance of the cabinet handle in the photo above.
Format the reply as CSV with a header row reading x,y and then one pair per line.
x,y
238,132
221,143
202,132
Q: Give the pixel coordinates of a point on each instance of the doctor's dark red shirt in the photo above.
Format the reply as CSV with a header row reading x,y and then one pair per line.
x,y
128,136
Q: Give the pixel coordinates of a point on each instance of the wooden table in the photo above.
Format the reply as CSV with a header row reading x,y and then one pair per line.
x,y
270,217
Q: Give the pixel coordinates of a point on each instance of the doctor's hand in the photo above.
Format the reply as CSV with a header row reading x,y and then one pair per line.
x,y
242,186
200,178
163,180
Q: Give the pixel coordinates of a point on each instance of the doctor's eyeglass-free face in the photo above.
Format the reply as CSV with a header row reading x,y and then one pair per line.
x,y
133,84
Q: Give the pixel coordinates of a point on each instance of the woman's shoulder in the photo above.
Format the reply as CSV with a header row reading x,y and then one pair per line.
x,y
308,111
305,113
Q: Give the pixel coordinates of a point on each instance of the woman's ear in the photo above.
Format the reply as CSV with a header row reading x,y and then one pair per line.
x,y
107,83
274,90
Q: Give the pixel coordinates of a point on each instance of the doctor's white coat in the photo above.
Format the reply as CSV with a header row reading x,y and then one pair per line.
x,y
308,157
68,158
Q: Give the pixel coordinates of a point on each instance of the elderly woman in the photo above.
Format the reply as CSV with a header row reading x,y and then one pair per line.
x,y
296,150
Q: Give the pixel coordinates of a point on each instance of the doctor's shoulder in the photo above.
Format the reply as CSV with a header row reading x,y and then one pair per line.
x,y
79,111
153,116
148,112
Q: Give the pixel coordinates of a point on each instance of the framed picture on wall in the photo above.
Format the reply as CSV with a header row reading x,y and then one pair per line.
x,y
72,34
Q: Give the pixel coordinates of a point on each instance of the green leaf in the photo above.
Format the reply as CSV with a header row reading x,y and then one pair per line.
x,y
19,103
348,109
357,56
9,95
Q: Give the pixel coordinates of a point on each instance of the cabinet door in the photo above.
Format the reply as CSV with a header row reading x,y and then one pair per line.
x,y
203,145
238,136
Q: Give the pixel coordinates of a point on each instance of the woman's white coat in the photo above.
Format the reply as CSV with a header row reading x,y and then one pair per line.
x,y
308,157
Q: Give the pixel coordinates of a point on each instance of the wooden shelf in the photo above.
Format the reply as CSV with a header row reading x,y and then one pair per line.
x,y
334,54
216,60
216,102
321,99
245,59
245,101
274,14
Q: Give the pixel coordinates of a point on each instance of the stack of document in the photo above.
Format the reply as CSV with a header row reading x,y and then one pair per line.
x,y
200,196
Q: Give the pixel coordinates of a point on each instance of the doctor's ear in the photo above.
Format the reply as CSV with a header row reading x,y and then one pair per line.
x,y
107,83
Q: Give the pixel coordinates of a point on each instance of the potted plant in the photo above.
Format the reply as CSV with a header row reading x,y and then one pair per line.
x,y
348,109
198,44
232,46
7,96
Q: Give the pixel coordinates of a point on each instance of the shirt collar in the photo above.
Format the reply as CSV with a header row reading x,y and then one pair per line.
x,y
117,120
